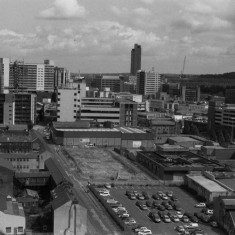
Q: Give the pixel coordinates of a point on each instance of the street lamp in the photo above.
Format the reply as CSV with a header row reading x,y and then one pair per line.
x,y
231,140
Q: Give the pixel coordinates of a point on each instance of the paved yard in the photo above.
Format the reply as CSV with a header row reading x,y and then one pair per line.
x,y
186,201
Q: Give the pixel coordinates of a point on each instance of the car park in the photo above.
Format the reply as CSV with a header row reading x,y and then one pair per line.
x,y
201,204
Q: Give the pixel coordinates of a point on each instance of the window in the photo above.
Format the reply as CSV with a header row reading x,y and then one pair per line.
x,y
8,229
20,229
75,99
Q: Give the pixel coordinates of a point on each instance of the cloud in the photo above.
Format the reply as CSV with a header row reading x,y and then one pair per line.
x,y
142,11
64,9
147,1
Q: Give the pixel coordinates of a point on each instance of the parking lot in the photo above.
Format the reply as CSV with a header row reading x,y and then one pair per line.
x,y
186,201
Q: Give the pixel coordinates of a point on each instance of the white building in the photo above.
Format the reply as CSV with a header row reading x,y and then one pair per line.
x,y
4,75
12,217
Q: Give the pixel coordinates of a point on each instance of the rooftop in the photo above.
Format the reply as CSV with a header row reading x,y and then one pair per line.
x,y
228,182
72,125
229,201
31,155
210,185
183,139
156,122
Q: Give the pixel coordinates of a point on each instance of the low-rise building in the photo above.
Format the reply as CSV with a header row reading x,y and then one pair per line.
x,y
69,217
224,213
12,217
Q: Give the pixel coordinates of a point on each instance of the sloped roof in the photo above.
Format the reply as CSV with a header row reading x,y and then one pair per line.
x,y
56,171
6,164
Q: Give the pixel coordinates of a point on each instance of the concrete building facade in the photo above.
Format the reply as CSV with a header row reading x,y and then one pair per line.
x,y
4,75
135,59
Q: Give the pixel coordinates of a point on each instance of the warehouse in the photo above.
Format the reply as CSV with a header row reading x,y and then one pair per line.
x,y
79,133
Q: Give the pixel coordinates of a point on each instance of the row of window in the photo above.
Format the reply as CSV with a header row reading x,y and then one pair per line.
x,y
19,229
18,159
21,167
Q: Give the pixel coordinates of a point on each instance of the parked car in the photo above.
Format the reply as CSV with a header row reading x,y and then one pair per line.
x,y
143,207
169,193
177,208
161,208
160,193
201,204
174,218
209,212
103,190
108,186
194,219
140,196
156,204
149,203
180,228
168,207
149,232
140,228
191,225
146,195
164,197
185,219
105,194
174,198
166,219
214,224
156,197
179,214
154,216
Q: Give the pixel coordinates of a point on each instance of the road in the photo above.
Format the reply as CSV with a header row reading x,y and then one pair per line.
x,y
98,221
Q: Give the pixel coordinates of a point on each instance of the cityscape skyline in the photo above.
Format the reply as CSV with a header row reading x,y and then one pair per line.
x,y
85,36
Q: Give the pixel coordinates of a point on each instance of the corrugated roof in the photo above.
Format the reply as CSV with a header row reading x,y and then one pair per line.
x,y
209,185
56,171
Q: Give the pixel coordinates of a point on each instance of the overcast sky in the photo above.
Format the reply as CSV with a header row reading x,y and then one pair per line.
x,y
98,35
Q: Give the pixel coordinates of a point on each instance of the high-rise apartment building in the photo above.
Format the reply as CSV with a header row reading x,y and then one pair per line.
x,y
148,83
4,75
135,59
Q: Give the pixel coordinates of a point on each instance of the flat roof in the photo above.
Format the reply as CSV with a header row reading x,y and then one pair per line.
x,y
183,139
229,201
91,130
171,147
157,122
210,185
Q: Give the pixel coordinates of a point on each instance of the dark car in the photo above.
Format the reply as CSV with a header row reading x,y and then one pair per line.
x,y
185,219
156,204
171,203
154,216
161,214
149,203
161,208
177,208
168,207
146,195
156,197
174,198
194,219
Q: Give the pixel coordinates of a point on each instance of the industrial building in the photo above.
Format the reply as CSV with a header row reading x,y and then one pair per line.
x,y
207,188
78,133
175,167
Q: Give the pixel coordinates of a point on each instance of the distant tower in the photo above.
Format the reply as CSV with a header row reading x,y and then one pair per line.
x,y
135,59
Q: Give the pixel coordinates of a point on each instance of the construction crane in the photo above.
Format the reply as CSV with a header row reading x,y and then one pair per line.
x,y
182,71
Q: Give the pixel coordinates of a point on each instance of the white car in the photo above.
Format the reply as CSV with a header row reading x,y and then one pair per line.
x,y
102,190
107,185
139,229
111,201
179,214
105,194
191,225
201,204
146,232
209,212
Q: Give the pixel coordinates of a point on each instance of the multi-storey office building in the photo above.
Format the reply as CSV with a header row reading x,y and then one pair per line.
x,y
18,108
148,83
135,59
120,112
31,77
190,94
62,77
